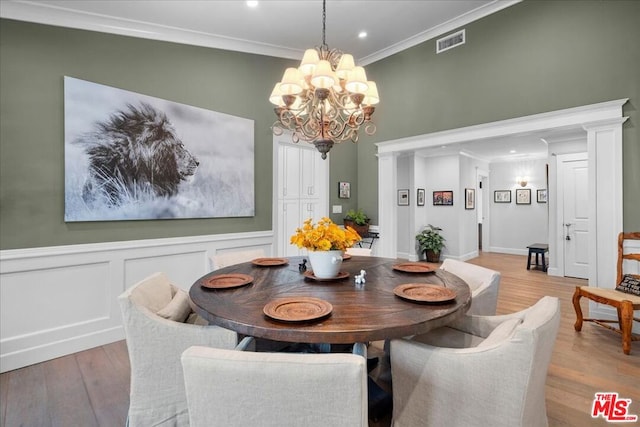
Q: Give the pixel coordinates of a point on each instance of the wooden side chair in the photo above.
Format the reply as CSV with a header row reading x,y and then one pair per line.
x,y
624,298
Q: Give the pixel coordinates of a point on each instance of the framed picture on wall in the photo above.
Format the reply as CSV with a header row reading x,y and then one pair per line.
x,y
502,196
542,195
420,197
523,196
443,198
344,190
469,198
403,197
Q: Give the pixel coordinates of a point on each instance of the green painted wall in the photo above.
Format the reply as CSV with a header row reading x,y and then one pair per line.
x,y
533,57
33,60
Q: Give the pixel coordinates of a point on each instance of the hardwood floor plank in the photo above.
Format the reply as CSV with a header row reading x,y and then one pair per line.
x,y
68,403
27,398
4,388
119,356
107,387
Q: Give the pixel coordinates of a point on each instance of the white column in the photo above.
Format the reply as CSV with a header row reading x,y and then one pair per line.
x,y
387,215
604,147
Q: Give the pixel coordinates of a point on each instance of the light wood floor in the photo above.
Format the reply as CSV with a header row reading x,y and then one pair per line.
x,y
91,388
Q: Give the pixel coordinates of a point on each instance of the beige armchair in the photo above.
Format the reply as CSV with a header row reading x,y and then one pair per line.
x,y
359,251
236,257
154,314
490,371
484,284
230,388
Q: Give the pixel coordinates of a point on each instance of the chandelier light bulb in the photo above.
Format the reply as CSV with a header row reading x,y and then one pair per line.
x,y
357,81
323,75
345,66
371,97
309,62
291,82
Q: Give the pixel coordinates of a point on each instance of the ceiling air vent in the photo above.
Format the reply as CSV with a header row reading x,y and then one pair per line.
x,y
450,41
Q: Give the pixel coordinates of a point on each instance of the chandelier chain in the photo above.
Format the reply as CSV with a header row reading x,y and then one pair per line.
x,y
324,22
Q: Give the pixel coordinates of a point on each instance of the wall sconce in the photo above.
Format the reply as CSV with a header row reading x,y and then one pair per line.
x,y
522,180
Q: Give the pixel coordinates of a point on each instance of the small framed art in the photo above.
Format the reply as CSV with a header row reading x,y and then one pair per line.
x,y
403,197
523,196
344,190
542,196
502,196
420,196
469,198
443,198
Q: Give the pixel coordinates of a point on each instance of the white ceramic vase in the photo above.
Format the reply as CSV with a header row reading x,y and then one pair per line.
x,y
325,264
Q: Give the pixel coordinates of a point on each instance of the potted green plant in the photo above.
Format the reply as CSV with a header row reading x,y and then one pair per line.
x,y
357,220
431,242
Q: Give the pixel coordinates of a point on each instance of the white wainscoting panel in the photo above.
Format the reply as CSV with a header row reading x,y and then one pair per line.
x,y
59,300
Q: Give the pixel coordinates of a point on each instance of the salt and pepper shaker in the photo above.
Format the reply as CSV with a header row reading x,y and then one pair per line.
x,y
302,267
359,279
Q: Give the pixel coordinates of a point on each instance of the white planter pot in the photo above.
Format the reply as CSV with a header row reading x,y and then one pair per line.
x,y
325,264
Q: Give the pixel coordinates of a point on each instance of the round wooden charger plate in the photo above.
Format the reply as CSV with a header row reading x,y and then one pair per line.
x,y
297,309
422,292
414,267
270,262
225,281
341,275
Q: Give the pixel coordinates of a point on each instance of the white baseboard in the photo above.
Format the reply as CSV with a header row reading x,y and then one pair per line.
x,y
59,300
511,251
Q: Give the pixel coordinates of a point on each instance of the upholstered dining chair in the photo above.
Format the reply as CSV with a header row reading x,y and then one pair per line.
x,y
484,284
625,297
358,251
159,325
229,388
230,258
490,371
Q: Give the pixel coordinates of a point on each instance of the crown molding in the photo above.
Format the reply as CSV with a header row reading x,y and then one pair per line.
x,y
438,30
47,14
42,13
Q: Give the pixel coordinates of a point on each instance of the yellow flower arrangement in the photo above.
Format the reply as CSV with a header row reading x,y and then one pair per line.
x,y
325,236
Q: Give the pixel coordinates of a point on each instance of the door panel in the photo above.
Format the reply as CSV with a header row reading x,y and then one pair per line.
x,y
576,218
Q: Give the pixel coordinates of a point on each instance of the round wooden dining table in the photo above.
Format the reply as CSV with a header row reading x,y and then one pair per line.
x,y
358,313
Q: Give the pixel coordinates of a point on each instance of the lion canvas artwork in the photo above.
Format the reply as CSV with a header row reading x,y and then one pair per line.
x,y
131,156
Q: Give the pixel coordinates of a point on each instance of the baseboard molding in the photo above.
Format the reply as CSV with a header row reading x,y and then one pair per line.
x,y
510,251
59,300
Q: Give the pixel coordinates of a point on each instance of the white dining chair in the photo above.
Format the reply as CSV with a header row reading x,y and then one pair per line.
x,y
359,251
229,388
159,325
483,282
226,259
487,371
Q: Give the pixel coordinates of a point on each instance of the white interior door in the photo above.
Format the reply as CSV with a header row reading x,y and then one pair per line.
x,y
301,184
576,216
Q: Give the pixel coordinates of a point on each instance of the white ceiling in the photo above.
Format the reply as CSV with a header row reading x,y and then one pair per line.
x,y
275,28
285,29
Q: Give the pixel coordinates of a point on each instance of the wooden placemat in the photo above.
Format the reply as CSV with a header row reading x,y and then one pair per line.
x,y
423,292
297,309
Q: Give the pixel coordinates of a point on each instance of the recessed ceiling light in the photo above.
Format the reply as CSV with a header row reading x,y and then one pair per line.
x,y
362,34
253,3
513,151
